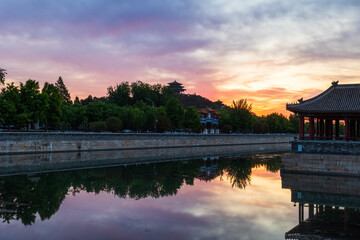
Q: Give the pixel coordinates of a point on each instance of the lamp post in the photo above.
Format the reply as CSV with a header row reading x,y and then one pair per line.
x,y
153,108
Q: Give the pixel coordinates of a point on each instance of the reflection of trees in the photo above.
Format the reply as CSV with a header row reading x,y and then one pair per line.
x,y
23,197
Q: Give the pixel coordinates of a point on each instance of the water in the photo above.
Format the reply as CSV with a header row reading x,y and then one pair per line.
x,y
210,198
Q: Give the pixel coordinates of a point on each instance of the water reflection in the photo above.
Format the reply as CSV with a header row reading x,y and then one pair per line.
x,y
328,206
24,197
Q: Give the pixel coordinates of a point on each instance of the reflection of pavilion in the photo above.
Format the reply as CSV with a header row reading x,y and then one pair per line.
x,y
333,210
209,172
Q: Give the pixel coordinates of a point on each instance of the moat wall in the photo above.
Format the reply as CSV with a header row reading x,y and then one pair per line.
x,y
20,143
328,164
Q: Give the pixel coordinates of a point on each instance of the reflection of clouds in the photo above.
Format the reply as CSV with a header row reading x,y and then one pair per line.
x,y
212,210
212,46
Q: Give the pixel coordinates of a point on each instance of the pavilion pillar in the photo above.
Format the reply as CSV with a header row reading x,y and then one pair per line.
x,y
321,128
301,127
352,128
311,128
347,130
331,129
317,128
337,128
358,129
328,126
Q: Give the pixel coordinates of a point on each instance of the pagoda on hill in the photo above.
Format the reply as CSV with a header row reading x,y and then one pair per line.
x,y
177,87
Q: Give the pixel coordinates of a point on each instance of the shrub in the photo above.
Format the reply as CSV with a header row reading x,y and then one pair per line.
x,y
99,126
114,124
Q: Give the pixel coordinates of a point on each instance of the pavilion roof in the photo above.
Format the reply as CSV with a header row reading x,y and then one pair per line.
x,y
339,98
207,110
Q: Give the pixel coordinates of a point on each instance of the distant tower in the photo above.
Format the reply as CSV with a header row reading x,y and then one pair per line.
x,y
176,87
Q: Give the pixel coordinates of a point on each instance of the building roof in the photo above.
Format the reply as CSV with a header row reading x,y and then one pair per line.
x,y
207,110
339,98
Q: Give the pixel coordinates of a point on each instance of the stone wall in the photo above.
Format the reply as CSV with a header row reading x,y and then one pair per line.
x,y
326,147
15,143
341,191
321,164
24,163
321,183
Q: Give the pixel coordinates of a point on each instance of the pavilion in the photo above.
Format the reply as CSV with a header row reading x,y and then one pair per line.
x,y
340,102
177,87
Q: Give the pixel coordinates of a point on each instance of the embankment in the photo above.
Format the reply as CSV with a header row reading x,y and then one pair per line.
x,y
20,143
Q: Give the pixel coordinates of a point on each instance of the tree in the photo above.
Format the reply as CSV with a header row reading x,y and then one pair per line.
x,y
10,105
293,123
260,125
114,124
120,95
2,75
241,115
277,123
192,119
52,104
65,95
32,101
175,112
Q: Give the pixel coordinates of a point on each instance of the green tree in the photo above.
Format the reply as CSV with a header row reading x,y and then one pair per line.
x,y
10,106
241,115
192,119
163,123
65,95
97,111
2,75
293,123
52,104
120,95
277,123
114,124
175,112
260,125
32,101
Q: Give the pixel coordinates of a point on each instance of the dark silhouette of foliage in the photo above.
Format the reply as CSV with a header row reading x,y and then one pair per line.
x,y
65,95
2,75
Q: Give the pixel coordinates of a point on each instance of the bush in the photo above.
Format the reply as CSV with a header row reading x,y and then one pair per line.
x,y
163,124
114,124
226,128
99,126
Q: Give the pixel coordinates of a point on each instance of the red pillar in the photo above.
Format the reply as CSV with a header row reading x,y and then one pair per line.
x,y
337,128
328,129
311,128
347,130
321,128
331,131
352,128
301,127
317,128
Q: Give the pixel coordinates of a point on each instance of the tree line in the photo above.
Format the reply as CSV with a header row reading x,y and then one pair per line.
x,y
136,106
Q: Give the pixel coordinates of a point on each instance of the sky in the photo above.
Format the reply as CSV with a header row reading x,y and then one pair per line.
x,y
268,52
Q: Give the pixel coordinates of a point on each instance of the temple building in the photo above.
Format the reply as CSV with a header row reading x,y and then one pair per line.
x,y
209,117
177,87
338,104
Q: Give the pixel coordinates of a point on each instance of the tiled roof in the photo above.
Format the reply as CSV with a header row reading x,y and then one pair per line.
x,y
207,110
339,98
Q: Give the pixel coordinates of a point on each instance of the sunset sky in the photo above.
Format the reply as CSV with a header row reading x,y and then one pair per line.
x,y
269,52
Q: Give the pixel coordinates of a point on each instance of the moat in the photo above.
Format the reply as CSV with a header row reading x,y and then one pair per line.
x,y
219,197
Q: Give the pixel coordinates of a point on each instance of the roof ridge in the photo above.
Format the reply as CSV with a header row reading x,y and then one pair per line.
x,y
319,96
